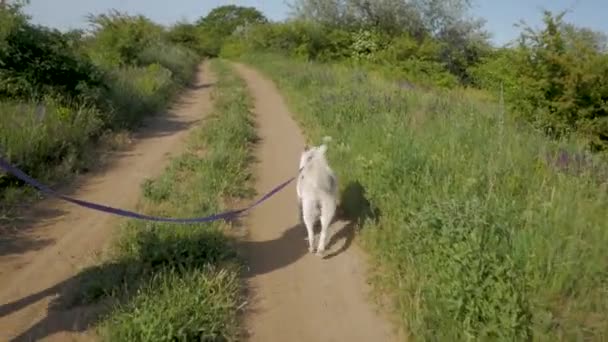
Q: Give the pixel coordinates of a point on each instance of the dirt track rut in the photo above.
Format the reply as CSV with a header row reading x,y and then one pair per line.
x,y
296,296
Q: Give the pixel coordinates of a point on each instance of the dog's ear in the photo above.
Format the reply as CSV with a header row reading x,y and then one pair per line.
x,y
306,148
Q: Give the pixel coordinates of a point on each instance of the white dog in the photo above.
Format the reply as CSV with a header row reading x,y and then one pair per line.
x,y
317,190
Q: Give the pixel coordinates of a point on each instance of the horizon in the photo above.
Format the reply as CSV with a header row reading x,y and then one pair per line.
x,y
500,18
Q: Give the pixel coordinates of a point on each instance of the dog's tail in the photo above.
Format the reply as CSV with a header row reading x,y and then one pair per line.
x,y
326,140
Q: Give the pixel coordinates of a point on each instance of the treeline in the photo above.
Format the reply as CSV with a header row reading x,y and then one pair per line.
x,y
556,77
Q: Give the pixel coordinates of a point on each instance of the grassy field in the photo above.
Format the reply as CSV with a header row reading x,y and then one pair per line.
x,y
475,232
168,282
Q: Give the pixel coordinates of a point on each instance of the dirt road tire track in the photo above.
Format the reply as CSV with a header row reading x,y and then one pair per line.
x,y
296,296
31,277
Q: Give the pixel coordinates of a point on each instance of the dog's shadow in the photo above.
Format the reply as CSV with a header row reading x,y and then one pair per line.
x,y
354,209
344,230
270,255
81,301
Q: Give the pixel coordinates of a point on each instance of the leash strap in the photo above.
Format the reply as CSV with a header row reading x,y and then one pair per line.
x,y
228,215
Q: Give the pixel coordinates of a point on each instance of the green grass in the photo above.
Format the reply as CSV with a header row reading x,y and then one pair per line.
x,y
472,233
170,282
46,141
137,92
179,60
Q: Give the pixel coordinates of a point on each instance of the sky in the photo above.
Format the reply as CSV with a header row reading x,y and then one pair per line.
x,y
499,15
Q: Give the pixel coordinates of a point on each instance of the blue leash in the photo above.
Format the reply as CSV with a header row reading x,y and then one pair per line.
x,y
228,215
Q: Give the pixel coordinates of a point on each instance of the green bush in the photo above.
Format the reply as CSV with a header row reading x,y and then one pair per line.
x,y
556,78
136,92
36,61
118,39
221,22
179,60
186,35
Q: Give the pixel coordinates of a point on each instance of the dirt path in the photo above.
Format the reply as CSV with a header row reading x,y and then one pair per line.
x,y
37,264
296,296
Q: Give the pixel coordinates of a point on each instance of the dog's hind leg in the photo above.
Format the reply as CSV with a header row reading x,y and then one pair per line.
x,y
308,216
300,212
328,209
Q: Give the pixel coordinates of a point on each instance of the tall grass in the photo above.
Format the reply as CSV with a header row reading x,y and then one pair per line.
x,y
137,92
180,282
179,60
51,139
47,140
476,236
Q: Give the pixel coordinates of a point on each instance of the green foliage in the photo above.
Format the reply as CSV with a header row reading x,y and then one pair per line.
x,y
557,78
328,31
11,18
36,61
119,38
136,92
184,34
35,136
478,236
176,58
462,39
197,306
222,22
59,92
405,58
299,39
404,47
365,45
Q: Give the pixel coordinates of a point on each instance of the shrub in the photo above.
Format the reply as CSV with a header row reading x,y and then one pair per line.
x,y
221,22
118,39
186,35
36,61
556,78
179,60
137,92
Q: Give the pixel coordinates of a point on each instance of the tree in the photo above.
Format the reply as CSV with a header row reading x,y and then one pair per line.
x,y
598,41
185,34
390,16
565,72
415,17
221,22
225,19
463,40
120,37
36,61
